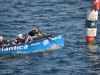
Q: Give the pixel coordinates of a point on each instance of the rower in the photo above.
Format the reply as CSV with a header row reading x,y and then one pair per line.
x,y
20,39
32,34
1,43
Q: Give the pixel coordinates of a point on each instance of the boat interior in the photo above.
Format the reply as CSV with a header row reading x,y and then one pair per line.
x,y
34,39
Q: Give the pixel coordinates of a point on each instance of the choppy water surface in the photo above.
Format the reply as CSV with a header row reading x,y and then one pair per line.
x,y
52,16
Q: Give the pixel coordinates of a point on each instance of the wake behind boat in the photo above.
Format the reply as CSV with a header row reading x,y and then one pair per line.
x,y
39,44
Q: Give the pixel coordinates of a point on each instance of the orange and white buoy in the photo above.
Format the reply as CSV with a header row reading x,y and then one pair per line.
x,y
91,25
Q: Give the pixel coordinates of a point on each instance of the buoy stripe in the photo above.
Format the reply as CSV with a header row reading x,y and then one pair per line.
x,y
91,24
91,31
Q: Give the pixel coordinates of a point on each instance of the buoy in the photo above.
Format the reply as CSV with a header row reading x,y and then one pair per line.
x,y
90,39
91,25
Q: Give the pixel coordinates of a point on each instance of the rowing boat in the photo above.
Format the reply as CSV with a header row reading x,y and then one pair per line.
x,y
39,44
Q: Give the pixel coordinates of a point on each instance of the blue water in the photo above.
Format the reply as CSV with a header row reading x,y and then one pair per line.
x,y
52,16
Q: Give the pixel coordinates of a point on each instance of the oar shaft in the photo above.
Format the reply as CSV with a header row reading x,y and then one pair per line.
x,y
52,41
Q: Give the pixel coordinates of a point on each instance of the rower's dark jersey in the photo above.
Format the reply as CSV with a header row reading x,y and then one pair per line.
x,y
1,44
32,33
20,40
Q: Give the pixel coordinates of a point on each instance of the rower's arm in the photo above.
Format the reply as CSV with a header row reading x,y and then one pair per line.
x,y
41,34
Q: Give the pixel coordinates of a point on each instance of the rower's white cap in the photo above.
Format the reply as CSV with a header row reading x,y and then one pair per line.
x,y
1,37
20,35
